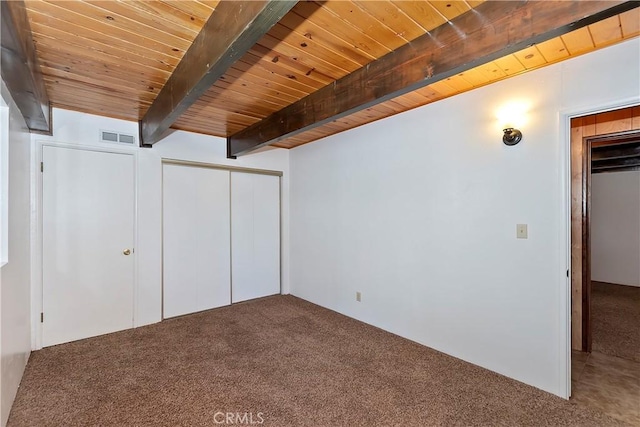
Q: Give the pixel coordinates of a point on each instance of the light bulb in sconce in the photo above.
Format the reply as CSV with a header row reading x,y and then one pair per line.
x,y
511,117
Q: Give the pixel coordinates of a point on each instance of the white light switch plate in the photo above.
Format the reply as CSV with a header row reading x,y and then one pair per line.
x,y
521,231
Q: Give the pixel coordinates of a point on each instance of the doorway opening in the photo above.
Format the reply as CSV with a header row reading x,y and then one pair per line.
x,y
605,259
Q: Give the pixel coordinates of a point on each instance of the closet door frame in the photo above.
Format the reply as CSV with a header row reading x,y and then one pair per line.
x,y
178,162
36,218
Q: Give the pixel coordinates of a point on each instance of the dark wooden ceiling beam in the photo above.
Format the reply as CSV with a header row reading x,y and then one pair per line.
x,y
20,68
231,30
492,30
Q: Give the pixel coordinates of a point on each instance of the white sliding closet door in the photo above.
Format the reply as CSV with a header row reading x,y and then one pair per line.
x,y
255,235
196,257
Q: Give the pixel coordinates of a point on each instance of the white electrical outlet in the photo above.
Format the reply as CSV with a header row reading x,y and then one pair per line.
x,y
521,231
358,296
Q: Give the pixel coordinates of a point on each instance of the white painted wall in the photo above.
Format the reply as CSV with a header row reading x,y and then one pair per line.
x,y
15,330
76,128
615,227
419,212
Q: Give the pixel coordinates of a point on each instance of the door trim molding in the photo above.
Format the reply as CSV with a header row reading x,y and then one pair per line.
x,y
229,168
587,337
586,244
37,229
564,297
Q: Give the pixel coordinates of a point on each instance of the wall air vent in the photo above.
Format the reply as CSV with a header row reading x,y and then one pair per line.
x,y
115,137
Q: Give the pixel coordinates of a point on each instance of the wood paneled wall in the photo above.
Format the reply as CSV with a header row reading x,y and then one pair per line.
x,y
626,119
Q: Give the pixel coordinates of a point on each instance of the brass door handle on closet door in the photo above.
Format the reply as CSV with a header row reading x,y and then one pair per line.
x,y
126,252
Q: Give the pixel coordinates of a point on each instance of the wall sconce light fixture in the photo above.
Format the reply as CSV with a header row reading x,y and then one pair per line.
x,y
512,116
511,136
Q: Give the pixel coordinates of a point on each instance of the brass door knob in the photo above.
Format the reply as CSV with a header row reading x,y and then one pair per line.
x,y
126,252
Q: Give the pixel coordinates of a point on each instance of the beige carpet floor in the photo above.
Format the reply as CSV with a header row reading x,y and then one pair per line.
x,y
278,360
615,320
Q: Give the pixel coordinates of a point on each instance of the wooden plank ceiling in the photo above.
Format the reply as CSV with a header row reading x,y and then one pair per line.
x,y
112,57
